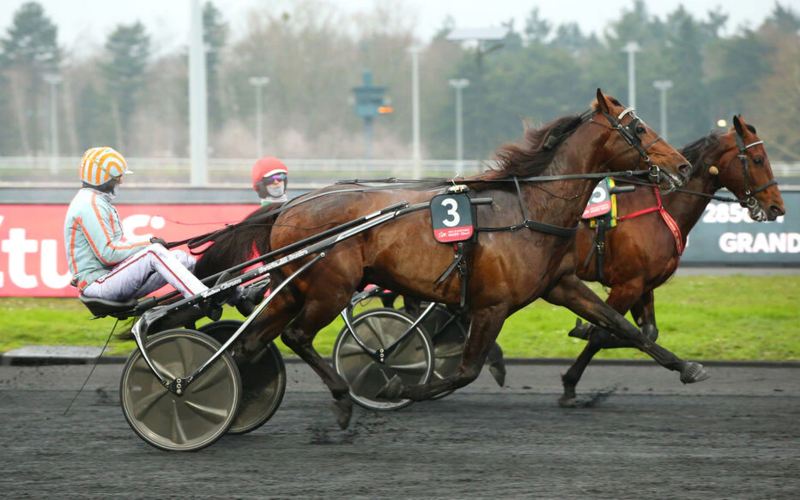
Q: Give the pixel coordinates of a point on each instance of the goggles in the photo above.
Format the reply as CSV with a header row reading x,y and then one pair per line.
x,y
274,179
270,185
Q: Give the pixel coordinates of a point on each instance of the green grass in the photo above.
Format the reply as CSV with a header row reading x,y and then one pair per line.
x,y
699,317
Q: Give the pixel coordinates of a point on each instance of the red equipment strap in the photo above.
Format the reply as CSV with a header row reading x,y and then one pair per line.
x,y
668,220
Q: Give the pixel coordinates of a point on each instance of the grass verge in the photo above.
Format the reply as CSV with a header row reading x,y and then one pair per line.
x,y
699,317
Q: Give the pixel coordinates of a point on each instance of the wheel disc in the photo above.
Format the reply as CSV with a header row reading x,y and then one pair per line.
x,y
263,380
205,410
448,335
379,328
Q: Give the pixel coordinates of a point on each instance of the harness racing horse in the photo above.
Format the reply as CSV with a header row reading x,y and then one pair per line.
x,y
510,267
642,252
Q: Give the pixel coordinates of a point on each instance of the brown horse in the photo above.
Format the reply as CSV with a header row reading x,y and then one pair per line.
x,y
509,269
641,253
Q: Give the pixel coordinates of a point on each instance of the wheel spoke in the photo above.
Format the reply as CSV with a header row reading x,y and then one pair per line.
x,y
419,366
213,415
215,374
143,406
448,352
163,370
347,350
178,433
185,354
376,325
362,375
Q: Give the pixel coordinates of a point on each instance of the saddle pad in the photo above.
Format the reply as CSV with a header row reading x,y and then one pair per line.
x,y
451,218
602,201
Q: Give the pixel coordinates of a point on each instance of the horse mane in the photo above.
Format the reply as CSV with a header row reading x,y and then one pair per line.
x,y
538,148
697,151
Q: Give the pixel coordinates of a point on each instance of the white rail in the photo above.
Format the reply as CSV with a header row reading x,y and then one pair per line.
x,y
20,171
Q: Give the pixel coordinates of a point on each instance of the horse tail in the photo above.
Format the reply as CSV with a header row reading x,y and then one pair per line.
x,y
243,242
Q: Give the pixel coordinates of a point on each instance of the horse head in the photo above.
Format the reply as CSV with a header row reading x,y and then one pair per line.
x,y
633,135
744,169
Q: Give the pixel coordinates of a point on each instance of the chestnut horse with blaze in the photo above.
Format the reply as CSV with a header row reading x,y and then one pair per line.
x,y
642,252
509,269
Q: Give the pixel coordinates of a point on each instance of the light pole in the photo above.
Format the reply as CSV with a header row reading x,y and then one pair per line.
x,y
485,41
459,85
416,157
631,48
259,82
198,104
53,80
663,86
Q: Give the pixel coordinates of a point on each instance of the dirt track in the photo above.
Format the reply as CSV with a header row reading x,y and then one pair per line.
x,y
646,436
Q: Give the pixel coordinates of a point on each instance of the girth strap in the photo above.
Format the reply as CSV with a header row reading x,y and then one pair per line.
x,y
460,262
601,225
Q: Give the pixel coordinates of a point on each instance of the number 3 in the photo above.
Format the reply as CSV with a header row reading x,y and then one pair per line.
x,y
453,204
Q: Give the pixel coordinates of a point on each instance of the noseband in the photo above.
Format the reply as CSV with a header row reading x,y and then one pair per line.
x,y
750,193
628,132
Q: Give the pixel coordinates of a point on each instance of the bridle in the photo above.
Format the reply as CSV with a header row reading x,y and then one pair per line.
x,y
628,133
750,192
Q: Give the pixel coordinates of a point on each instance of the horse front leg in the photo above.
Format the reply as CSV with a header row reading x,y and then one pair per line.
x,y
483,330
621,298
572,293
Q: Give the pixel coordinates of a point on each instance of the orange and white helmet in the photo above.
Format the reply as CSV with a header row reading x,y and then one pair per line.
x,y
100,165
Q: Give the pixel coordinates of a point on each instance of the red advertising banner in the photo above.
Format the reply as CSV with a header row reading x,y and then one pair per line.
x,y
33,260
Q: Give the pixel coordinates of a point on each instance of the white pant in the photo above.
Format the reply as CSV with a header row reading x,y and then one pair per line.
x,y
145,272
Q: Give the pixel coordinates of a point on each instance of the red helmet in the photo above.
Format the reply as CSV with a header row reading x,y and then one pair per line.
x,y
265,167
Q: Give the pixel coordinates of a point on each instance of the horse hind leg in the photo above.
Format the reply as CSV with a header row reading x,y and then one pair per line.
x,y
299,337
483,330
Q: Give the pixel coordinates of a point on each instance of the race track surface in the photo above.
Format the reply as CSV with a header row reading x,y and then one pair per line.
x,y
643,435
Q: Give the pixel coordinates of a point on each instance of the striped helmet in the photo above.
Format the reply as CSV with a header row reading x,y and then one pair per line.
x,y
100,165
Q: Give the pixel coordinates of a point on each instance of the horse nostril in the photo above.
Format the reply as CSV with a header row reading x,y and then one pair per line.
x,y
685,169
777,211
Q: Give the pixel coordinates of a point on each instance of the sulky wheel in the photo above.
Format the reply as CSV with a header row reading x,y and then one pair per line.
x,y
378,329
448,334
205,410
263,380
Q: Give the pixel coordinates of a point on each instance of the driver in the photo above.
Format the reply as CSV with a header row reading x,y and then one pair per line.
x,y
104,267
270,177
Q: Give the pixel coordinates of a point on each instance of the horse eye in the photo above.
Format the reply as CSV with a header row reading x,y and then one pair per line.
x,y
758,161
640,130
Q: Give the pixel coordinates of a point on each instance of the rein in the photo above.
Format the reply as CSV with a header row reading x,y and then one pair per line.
x,y
628,132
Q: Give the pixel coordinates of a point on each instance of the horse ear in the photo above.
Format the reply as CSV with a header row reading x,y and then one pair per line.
x,y
602,103
737,124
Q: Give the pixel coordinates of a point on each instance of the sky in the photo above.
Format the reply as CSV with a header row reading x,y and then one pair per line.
x,y
84,24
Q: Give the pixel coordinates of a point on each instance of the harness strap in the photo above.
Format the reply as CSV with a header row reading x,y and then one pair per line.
x,y
542,227
668,220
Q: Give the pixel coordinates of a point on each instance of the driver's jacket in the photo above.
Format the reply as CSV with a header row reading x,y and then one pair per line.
x,y
92,234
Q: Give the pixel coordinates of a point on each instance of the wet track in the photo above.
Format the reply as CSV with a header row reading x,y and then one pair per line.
x,y
645,436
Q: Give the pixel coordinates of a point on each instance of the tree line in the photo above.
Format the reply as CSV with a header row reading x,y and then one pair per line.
x,y
131,96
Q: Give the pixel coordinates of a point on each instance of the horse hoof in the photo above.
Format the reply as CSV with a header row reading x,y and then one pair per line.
x,y
343,410
693,372
498,371
568,402
392,390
